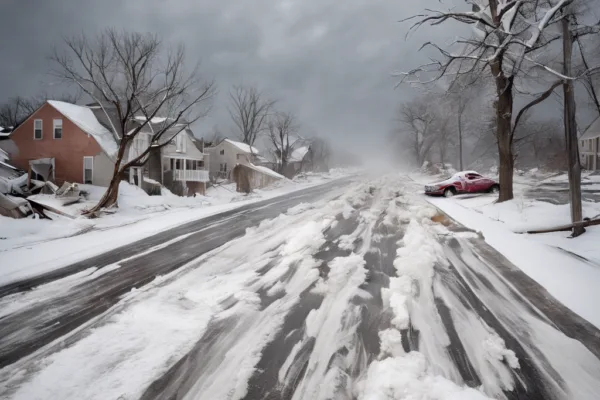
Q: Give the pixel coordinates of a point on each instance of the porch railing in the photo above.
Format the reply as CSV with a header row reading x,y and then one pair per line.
x,y
199,175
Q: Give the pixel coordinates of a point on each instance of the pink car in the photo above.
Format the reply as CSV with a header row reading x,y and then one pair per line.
x,y
463,182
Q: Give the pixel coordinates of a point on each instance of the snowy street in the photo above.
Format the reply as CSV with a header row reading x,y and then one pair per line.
x,y
357,289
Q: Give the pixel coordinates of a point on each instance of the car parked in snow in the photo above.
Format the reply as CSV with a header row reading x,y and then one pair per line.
x,y
463,182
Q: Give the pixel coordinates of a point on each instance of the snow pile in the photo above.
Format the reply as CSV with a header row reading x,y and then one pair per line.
x,y
409,377
496,349
307,238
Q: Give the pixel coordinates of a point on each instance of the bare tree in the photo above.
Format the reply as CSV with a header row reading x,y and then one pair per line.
x,y
511,34
464,99
139,87
319,154
540,143
283,134
17,109
249,110
417,118
444,138
215,137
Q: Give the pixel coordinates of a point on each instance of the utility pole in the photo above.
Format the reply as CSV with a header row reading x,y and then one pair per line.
x,y
574,164
460,140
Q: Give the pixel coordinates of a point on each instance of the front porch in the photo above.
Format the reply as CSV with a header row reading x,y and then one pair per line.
x,y
186,170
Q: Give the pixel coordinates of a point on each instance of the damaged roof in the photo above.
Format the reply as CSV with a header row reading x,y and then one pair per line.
x,y
85,119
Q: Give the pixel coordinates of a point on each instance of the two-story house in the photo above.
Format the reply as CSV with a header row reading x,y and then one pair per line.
x,y
67,142
589,146
228,153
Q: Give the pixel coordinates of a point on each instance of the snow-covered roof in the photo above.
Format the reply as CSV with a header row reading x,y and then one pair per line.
x,y
593,131
243,146
298,154
463,173
85,119
266,171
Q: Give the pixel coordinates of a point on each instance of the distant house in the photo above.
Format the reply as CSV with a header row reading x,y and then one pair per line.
x,y
67,142
589,146
228,153
249,177
298,160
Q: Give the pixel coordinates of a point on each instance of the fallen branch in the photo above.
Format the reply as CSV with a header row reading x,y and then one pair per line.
x,y
566,228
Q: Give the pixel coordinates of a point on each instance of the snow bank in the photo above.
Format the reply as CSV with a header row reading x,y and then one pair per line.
x,y
139,216
548,259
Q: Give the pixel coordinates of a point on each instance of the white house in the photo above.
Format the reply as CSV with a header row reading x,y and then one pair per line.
x,y
589,146
228,153
182,161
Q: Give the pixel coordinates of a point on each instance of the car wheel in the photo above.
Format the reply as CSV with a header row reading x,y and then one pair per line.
x,y
449,192
495,189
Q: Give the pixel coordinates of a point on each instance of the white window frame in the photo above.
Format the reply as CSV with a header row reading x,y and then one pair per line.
x,y
84,158
180,142
55,125
41,129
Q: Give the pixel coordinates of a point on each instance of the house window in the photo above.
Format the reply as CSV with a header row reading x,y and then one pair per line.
x,y
223,167
57,128
37,129
189,164
222,152
88,169
180,143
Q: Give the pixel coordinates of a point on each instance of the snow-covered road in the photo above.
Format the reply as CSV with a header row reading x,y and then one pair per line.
x,y
365,293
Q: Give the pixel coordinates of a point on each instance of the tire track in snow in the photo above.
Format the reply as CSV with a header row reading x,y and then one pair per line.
x,y
285,359
29,329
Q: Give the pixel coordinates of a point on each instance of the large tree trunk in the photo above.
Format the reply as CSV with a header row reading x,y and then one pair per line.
x,y
504,107
574,165
112,192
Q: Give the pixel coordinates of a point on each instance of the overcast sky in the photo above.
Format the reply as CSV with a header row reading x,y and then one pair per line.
x,y
328,61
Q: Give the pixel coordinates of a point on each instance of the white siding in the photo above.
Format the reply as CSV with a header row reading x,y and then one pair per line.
x,y
103,169
230,157
190,149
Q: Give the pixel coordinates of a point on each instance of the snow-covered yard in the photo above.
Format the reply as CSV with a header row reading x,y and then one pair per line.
x,y
568,268
33,246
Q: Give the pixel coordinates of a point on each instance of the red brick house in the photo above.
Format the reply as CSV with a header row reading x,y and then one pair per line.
x,y
67,142
68,138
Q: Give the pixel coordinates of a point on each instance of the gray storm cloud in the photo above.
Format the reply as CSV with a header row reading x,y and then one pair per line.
x,y
330,62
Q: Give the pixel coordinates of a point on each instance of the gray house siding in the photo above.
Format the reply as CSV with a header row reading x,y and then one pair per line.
x,y
103,170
